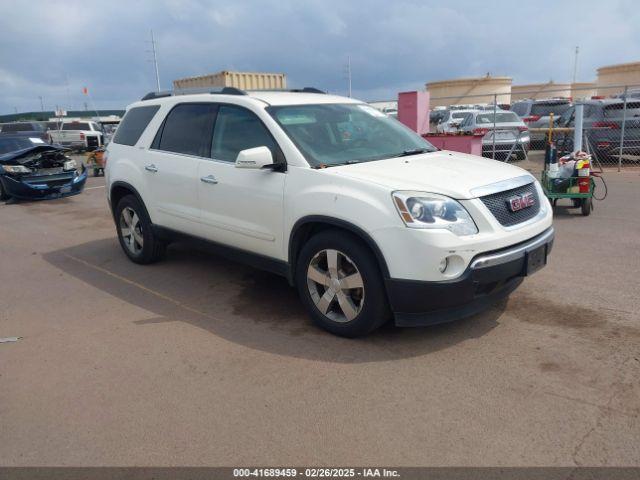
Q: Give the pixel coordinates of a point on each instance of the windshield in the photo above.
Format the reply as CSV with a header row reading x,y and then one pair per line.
x,y
336,134
12,144
566,117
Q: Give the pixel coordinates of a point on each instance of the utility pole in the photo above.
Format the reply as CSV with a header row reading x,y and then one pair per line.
x,y
66,82
155,60
41,103
575,64
349,73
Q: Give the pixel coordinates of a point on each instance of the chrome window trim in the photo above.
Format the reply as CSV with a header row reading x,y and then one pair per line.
x,y
502,186
505,256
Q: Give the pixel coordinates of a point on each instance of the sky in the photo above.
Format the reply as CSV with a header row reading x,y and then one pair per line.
x,y
52,49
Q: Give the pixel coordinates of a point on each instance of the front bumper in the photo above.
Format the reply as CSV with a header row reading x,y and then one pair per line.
x,y
490,277
44,187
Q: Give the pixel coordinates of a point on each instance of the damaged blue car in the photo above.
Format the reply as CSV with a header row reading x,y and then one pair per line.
x,y
30,169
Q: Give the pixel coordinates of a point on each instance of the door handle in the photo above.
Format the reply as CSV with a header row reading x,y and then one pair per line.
x,y
151,168
209,179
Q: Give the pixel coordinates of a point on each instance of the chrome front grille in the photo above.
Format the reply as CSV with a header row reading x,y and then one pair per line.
x,y
498,205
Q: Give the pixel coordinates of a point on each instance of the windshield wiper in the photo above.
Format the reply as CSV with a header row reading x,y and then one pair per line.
x,y
348,162
415,151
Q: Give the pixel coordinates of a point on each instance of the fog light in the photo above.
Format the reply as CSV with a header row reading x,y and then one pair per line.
x,y
443,265
452,266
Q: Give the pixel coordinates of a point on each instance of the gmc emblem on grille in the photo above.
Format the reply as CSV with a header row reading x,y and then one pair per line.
x,y
518,202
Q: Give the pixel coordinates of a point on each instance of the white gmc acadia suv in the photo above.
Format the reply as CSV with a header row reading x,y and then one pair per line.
x,y
367,219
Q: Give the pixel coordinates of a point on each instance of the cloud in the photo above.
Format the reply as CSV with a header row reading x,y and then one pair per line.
x,y
53,49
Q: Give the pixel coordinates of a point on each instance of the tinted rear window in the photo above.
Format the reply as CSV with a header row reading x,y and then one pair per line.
x,y
188,129
501,117
76,126
21,127
616,110
133,124
544,109
519,108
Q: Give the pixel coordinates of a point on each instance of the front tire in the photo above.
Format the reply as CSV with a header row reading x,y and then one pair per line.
x,y
135,234
340,284
3,194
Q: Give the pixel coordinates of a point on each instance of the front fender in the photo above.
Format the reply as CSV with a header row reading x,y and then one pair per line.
x,y
321,196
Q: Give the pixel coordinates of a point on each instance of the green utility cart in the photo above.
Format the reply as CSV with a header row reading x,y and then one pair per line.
x,y
568,190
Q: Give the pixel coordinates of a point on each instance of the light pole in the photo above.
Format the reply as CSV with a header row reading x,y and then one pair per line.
x,y
155,60
349,73
575,64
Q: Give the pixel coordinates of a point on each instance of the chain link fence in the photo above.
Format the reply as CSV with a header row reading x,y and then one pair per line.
x,y
512,128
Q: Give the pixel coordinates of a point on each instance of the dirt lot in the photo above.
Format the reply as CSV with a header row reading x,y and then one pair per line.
x,y
201,361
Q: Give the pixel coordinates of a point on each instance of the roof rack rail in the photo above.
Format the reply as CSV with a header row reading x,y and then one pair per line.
x,y
224,91
309,90
191,91
292,90
152,95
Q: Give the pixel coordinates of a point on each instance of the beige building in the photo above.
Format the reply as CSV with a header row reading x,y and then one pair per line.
x,y
582,90
462,91
618,76
540,90
241,80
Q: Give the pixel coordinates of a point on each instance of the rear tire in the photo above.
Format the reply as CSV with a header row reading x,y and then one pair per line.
x,y
586,207
135,232
339,282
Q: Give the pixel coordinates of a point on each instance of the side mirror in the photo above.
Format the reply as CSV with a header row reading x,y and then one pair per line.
x,y
255,158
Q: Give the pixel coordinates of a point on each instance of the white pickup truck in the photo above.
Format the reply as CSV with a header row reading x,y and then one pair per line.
x,y
80,135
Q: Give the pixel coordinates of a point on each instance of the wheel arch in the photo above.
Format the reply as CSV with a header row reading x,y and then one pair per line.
x,y
306,227
121,189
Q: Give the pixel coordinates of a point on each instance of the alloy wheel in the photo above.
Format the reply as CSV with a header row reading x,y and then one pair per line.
x,y
131,230
335,285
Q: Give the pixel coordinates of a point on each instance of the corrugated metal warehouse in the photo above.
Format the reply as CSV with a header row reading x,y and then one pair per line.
x,y
242,80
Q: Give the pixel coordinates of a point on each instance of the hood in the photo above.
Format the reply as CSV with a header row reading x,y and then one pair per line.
x,y
24,155
452,174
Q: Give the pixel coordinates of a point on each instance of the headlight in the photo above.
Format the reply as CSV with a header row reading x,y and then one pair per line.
x,y
430,210
16,169
69,165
